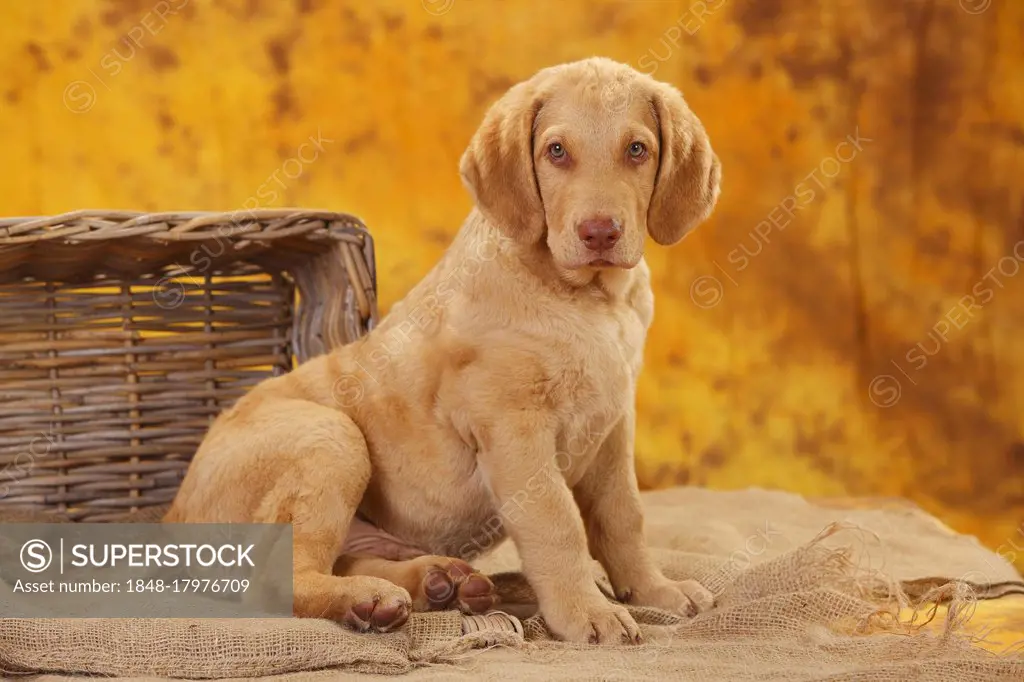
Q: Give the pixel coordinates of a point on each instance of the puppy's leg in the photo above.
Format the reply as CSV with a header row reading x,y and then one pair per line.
x,y
436,583
320,466
609,501
517,457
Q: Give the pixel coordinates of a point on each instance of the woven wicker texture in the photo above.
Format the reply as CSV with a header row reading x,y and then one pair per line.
x,y
123,334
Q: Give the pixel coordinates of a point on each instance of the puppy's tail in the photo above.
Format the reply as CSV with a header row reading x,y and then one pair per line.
x,y
515,596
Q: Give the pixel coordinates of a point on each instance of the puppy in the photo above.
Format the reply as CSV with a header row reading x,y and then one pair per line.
x,y
497,399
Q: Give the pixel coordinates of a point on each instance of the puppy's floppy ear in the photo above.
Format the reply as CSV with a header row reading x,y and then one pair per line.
x,y
497,167
689,173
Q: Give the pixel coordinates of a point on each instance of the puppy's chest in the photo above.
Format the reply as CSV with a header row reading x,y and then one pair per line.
x,y
596,387
601,362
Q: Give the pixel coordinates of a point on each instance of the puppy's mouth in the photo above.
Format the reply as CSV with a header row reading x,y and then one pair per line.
x,y
601,261
582,271
606,261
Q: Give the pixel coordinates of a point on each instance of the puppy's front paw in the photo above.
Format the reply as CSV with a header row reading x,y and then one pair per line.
x,y
593,621
685,597
699,595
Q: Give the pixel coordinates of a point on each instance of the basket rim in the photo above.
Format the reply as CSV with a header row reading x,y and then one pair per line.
x,y
114,224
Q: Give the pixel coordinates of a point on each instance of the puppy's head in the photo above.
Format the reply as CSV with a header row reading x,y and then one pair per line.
x,y
589,156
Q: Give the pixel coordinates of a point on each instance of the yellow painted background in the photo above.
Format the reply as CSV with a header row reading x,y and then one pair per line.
x,y
764,375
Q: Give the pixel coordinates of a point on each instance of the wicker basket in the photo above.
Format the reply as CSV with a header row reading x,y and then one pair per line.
x,y
123,334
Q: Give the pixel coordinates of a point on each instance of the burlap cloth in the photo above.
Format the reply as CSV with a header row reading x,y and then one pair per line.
x,y
805,591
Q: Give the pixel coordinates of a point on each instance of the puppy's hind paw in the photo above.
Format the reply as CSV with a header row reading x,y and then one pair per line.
x,y
452,583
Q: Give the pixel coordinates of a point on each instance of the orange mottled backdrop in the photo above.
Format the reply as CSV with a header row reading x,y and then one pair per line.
x,y
851,320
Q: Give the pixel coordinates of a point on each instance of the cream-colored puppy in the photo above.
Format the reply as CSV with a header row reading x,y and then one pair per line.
x,y
498,397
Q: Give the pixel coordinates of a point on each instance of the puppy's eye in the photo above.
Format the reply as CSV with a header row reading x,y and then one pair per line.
x,y
556,151
637,151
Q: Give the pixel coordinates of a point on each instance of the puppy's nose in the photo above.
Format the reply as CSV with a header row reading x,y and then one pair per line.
x,y
599,234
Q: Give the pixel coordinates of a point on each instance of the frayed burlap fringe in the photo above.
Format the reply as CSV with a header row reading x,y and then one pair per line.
x,y
811,614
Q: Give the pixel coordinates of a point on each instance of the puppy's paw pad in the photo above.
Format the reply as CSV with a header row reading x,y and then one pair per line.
x,y
439,588
476,594
378,614
452,583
